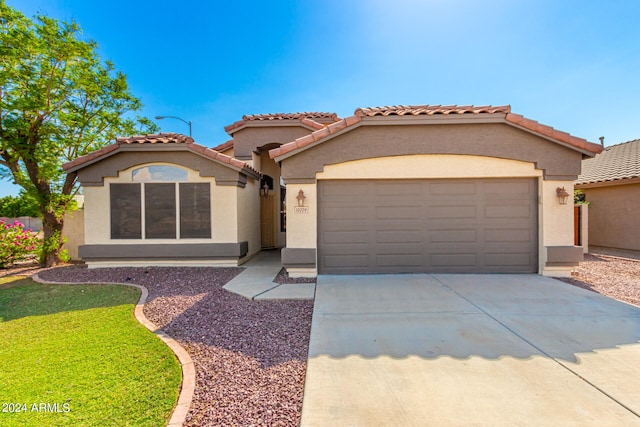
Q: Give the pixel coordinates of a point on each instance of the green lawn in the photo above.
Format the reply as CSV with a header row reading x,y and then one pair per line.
x,y
74,355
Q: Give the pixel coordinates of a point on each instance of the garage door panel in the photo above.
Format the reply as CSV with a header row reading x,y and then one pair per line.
x,y
452,189
345,237
503,235
453,225
345,212
397,189
454,260
398,212
347,261
508,211
448,212
398,236
507,260
453,235
337,191
400,260
515,188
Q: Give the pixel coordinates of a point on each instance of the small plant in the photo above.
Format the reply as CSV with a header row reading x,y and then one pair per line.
x,y
579,198
16,243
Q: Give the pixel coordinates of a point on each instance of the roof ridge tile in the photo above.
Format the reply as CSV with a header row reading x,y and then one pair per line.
x,y
416,110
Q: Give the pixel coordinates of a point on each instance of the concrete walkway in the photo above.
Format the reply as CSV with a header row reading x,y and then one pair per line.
x,y
459,350
256,281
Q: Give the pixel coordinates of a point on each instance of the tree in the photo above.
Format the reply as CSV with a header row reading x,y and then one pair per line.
x,y
22,205
58,101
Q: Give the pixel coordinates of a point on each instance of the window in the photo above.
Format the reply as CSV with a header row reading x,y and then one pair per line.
x,y
195,210
164,210
159,173
160,211
126,218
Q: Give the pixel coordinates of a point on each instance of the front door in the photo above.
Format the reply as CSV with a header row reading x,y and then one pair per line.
x,y
268,220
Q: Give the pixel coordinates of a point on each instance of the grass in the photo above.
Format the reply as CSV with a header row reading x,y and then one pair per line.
x,y
75,355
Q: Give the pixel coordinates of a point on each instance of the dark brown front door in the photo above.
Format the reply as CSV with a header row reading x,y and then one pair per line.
x,y
448,225
268,221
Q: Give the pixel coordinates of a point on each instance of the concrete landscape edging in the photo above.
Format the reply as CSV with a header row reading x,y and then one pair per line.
x,y
187,388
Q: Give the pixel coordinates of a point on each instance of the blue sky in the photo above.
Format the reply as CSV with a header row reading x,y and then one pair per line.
x,y
569,64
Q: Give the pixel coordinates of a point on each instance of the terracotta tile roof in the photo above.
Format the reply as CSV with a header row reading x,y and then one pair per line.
x,y
615,163
90,157
552,133
162,138
224,146
431,110
324,133
314,120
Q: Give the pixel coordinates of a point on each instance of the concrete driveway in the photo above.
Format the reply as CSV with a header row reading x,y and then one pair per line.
x,y
482,350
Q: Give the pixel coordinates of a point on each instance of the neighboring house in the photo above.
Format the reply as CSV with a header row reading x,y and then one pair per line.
x,y
388,190
611,184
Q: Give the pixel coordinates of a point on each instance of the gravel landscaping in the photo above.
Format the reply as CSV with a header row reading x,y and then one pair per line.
x,y
608,275
250,357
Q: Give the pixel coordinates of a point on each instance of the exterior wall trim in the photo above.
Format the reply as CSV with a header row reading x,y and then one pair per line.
x,y
497,140
155,252
93,175
609,183
565,256
298,257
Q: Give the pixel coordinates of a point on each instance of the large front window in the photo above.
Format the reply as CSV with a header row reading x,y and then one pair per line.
x,y
160,210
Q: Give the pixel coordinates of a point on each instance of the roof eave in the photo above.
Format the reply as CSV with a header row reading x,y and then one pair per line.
x,y
607,182
199,150
590,152
74,165
562,138
243,124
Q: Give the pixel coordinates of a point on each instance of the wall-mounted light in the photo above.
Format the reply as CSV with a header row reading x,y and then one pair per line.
x,y
563,195
300,197
264,190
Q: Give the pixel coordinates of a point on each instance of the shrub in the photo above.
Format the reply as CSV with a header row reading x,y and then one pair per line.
x,y
16,243
21,205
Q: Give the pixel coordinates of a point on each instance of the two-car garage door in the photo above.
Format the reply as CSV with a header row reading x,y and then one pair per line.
x,y
436,225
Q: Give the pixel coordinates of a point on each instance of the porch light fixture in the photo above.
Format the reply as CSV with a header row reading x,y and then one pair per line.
x,y
563,195
264,190
174,117
300,197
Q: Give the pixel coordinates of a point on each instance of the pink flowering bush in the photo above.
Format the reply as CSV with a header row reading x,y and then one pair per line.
x,y
16,243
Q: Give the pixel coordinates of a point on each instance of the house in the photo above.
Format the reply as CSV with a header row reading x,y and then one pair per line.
x,y
610,182
388,190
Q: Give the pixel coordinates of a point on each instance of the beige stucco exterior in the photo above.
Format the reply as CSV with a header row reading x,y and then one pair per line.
x,y
231,221
460,145
614,214
73,232
247,140
555,220
248,222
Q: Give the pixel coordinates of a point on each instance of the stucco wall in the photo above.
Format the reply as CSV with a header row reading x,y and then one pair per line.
x,y
248,216
246,140
614,216
73,232
489,140
555,220
224,212
302,229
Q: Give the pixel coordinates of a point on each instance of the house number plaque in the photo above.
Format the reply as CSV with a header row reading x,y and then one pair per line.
x,y
301,209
